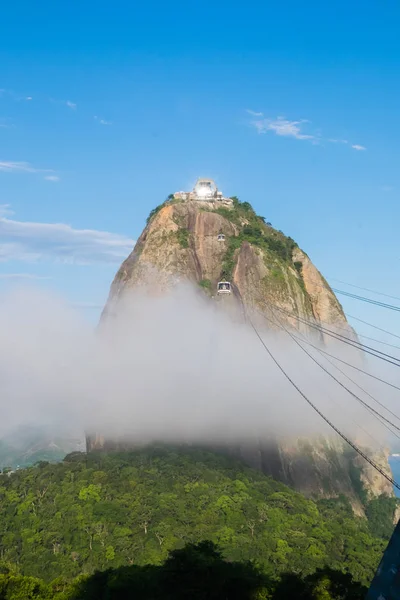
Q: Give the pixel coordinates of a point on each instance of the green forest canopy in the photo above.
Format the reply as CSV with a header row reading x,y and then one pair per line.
x,y
102,511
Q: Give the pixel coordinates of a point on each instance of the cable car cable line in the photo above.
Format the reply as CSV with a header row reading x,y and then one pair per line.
x,y
345,362
357,425
361,320
341,338
358,287
320,413
365,299
381,418
396,387
314,407
376,413
367,337
374,326
367,406
323,352
319,284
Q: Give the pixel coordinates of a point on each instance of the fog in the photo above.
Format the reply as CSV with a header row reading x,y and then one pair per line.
x,y
171,368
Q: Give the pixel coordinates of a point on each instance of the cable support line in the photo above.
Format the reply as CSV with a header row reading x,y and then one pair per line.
x,y
358,287
367,337
320,350
374,326
378,415
360,387
360,320
369,300
367,406
392,385
396,387
319,284
360,335
314,407
341,338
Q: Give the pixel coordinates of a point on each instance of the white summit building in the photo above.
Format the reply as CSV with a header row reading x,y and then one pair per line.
x,y
205,190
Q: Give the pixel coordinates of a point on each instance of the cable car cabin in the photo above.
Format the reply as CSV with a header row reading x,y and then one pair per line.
x,y
224,287
221,237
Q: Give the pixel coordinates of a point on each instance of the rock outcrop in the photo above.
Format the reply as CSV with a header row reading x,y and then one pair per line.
x,y
272,278
268,270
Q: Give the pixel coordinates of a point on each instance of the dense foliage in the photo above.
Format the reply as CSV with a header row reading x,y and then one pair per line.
x,y
254,230
197,571
102,511
154,212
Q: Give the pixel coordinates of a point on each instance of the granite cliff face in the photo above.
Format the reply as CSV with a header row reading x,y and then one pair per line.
x,y
266,268
271,277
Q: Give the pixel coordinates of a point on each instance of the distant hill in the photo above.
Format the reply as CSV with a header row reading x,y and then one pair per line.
x,y
28,445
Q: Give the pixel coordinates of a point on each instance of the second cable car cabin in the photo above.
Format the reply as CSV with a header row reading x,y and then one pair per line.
x,y
224,287
221,237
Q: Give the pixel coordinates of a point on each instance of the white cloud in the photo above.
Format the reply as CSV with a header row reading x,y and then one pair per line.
x,y
31,242
283,127
5,210
387,188
71,105
9,166
254,113
15,166
21,276
102,121
17,97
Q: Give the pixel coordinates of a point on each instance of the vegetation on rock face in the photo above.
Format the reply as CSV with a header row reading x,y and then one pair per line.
x,y
379,512
253,229
106,511
183,237
154,212
206,284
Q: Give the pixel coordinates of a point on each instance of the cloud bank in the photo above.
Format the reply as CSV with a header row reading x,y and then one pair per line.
x,y
30,241
172,368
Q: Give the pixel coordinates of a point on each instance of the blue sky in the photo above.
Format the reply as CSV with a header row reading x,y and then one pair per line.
x,y
106,108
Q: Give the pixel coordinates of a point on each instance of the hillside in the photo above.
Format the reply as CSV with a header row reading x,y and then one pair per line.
x,y
273,280
26,446
266,268
105,511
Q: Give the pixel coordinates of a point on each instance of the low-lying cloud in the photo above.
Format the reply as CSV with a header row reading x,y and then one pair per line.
x,y
171,368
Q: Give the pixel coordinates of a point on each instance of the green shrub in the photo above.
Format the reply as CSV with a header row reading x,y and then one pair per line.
x,y
380,513
298,266
183,237
205,283
153,213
